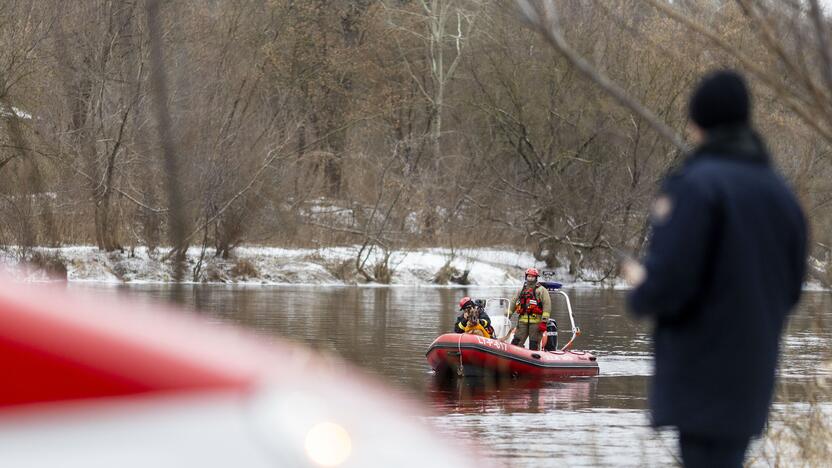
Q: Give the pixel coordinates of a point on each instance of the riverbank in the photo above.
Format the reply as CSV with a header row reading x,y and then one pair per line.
x,y
431,267
275,266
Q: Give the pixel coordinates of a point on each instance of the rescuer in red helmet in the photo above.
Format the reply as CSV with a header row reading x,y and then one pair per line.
x,y
529,311
473,318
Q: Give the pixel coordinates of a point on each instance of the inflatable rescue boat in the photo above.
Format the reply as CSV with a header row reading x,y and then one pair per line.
x,y
473,355
464,354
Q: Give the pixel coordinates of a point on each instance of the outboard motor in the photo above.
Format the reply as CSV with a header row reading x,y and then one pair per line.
x,y
551,335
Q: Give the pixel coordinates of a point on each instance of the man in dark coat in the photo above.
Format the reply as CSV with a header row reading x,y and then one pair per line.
x,y
724,267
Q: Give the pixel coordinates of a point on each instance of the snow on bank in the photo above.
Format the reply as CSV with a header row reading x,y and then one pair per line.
x,y
272,265
279,266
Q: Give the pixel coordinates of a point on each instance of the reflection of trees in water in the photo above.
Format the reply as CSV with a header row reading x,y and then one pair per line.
x,y
448,308
818,307
381,304
806,350
335,316
799,432
470,395
242,309
388,330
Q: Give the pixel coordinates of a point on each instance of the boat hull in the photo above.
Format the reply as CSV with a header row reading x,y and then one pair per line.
x,y
472,355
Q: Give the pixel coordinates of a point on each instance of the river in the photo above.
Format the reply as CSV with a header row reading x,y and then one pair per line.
x,y
598,421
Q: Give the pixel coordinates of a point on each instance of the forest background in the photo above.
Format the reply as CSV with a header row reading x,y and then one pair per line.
x,y
386,124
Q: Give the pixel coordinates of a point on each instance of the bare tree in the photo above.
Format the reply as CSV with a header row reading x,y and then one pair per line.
x,y
783,46
158,81
543,17
27,192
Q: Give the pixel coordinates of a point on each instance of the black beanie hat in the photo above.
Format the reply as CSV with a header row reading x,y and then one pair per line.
x,y
721,98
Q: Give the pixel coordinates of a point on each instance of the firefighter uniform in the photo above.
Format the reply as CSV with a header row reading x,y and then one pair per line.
x,y
527,309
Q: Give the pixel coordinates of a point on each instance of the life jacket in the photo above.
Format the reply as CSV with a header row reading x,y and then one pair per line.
x,y
478,329
527,302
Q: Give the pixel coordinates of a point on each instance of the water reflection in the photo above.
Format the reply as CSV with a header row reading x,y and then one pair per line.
x,y
594,421
477,395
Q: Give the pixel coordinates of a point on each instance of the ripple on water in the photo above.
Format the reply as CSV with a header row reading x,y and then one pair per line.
x,y
600,421
640,364
592,437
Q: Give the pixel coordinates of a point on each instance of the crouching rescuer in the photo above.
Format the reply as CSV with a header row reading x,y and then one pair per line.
x,y
529,311
473,318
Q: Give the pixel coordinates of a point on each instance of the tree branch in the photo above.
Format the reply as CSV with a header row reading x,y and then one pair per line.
x,y
542,17
787,95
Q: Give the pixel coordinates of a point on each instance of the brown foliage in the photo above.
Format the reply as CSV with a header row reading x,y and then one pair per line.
x,y
244,269
53,264
407,127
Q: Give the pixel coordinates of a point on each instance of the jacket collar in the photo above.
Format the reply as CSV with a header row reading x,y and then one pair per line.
x,y
735,142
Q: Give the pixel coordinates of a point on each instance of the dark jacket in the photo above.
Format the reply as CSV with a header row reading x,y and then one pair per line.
x,y
723,270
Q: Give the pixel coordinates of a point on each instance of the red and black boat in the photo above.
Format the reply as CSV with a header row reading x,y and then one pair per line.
x,y
474,355
465,354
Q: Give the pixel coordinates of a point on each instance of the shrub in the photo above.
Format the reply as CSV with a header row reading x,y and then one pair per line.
x,y
344,270
244,268
53,264
443,276
449,274
382,272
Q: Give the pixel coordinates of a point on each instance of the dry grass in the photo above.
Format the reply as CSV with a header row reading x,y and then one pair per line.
x,y
449,274
53,264
344,270
801,434
443,276
245,269
215,274
383,272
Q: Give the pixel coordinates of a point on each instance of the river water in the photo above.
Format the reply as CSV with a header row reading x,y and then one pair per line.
x,y
598,421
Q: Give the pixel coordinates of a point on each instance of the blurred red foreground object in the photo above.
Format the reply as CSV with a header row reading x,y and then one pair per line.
x,y
92,382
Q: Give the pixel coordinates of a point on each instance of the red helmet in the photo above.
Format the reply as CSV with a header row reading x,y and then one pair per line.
x,y
464,302
532,272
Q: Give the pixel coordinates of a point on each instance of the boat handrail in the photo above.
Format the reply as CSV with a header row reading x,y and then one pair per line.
x,y
500,321
489,299
500,300
576,331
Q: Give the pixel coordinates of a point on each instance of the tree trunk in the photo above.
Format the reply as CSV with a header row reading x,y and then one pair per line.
x,y
105,235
